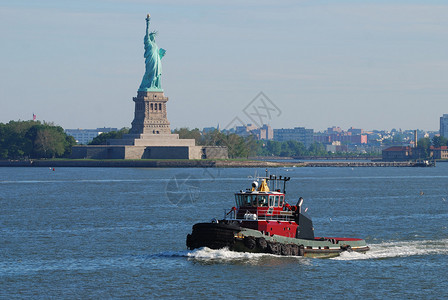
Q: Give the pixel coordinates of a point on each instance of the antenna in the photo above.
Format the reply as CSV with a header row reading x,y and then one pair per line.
x,y
284,183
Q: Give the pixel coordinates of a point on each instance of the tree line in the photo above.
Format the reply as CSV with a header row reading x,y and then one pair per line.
x,y
243,147
34,139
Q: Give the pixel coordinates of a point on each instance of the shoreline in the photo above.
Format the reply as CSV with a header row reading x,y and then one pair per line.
x,y
196,164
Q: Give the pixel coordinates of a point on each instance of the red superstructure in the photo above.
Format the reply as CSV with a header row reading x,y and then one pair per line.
x,y
266,210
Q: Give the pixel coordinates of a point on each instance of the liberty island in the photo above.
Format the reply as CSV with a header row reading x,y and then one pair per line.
x,y
150,136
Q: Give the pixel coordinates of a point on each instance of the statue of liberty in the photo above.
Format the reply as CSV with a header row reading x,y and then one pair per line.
x,y
153,61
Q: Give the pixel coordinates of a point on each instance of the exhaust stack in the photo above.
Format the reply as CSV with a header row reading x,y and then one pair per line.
x,y
415,138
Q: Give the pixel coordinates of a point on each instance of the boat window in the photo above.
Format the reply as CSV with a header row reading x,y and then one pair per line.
x,y
276,201
271,200
238,200
254,200
281,201
262,200
247,200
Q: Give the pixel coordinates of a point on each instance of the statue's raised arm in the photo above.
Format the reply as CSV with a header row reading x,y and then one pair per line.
x,y
153,64
148,19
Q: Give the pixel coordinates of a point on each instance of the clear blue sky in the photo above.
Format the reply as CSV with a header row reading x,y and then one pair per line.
x,y
366,64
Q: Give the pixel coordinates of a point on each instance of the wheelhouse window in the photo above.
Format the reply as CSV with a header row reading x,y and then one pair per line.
x,y
282,199
262,200
245,200
276,201
251,200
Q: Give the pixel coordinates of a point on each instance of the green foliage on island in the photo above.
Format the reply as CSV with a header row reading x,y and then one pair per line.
x,y
103,137
34,139
238,147
424,145
439,141
243,147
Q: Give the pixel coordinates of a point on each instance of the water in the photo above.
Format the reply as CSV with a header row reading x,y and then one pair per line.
x,y
120,233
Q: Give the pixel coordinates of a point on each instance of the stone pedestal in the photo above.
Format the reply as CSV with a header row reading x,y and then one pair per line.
x,y
150,114
150,137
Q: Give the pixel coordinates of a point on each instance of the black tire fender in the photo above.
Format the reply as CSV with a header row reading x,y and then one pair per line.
x,y
261,243
249,242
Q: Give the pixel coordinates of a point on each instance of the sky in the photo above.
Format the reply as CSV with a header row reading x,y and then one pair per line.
x,y
363,64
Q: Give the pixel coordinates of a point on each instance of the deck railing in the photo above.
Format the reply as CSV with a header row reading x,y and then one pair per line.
x,y
249,216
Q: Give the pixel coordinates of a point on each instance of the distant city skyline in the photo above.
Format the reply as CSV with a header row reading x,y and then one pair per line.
x,y
370,65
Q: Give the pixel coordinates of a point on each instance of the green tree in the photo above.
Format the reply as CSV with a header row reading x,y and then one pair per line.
x,y
3,146
103,137
185,133
423,146
317,149
285,150
269,148
25,139
439,141
49,143
274,147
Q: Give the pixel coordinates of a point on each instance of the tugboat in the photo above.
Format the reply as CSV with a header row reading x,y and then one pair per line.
x,y
263,222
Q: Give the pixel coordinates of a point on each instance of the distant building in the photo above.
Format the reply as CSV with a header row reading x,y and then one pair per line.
x,y
85,136
439,153
265,132
444,125
335,134
299,134
336,147
334,129
245,130
355,131
398,153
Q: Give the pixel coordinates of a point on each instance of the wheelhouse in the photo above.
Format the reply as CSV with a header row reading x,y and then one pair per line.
x,y
263,201
256,199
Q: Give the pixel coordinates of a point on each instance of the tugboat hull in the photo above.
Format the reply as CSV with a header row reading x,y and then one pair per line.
x,y
228,234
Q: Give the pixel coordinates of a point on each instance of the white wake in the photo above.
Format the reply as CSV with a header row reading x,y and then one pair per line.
x,y
399,249
223,254
377,251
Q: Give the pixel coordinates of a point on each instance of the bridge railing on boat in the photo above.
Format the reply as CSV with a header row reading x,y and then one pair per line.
x,y
265,216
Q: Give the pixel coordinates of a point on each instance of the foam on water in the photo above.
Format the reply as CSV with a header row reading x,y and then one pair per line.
x,y
399,249
223,254
377,251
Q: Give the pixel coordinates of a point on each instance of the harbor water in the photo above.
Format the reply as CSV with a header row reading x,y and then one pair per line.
x,y
120,233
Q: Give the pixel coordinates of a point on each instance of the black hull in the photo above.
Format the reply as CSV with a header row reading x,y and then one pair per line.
x,y
213,235
226,234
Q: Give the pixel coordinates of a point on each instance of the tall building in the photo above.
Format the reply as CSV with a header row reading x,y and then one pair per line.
x,y
265,132
299,134
444,125
245,130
